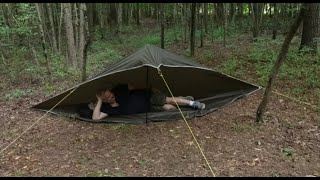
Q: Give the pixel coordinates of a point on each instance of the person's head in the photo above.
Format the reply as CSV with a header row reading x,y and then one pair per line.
x,y
106,95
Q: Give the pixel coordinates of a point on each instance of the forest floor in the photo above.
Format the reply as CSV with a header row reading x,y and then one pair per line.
x,y
287,144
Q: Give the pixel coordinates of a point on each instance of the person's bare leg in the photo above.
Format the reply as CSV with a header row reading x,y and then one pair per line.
x,y
168,107
180,101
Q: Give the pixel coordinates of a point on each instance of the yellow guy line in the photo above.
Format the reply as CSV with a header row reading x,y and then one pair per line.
x,y
302,102
38,120
159,71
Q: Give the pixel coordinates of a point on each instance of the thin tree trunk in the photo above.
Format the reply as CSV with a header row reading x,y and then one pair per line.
x,y
84,38
162,24
53,31
44,44
205,18
257,12
81,33
76,26
310,26
60,29
185,22
193,26
119,17
70,35
274,21
201,30
175,22
138,14
224,25
281,58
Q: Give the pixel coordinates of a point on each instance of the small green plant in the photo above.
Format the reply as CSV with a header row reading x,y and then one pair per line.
x,y
142,162
288,151
120,127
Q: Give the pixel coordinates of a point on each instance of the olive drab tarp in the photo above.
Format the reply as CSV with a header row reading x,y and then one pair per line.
x,y
184,77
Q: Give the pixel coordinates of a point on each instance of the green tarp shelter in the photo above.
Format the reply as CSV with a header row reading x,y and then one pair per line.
x,y
183,76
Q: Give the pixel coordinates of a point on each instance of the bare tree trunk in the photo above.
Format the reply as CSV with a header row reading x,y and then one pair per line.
x,y
281,57
81,33
138,14
119,17
310,26
205,18
44,44
224,24
257,12
175,22
84,39
201,30
60,28
162,24
220,13
193,27
53,31
70,35
274,21
76,26
185,21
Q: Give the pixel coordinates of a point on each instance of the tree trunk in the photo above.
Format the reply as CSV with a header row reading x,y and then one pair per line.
x,y
274,21
162,20
257,12
80,48
44,44
205,17
224,18
220,13
53,31
185,21
193,27
76,26
310,26
281,57
60,29
119,17
175,21
84,39
201,30
137,14
240,10
70,35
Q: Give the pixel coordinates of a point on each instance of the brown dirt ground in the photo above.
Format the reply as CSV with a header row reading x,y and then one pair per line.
x,y
232,142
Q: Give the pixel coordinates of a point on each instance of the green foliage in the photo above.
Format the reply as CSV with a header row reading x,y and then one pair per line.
x,y
208,55
17,94
24,25
218,32
101,54
230,66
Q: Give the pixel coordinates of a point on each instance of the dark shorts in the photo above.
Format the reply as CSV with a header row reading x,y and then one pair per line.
x,y
157,100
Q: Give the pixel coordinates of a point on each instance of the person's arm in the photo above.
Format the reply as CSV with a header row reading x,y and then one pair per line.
x,y
97,114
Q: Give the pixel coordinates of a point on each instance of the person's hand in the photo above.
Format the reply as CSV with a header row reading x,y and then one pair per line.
x,y
98,98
